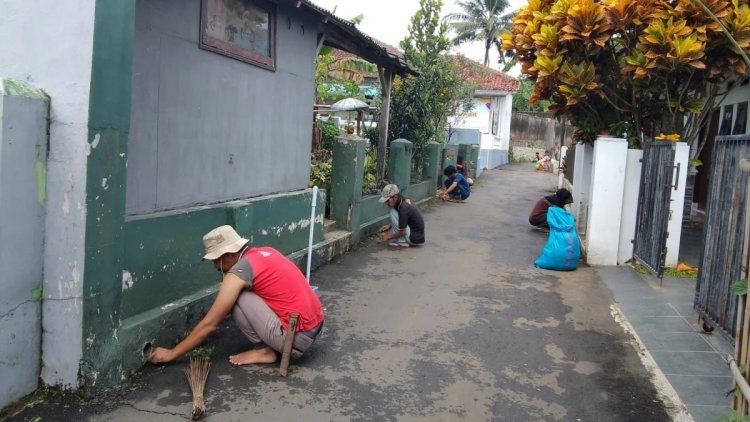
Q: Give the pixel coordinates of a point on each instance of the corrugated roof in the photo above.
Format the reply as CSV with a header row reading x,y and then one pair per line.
x,y
487,79
344,35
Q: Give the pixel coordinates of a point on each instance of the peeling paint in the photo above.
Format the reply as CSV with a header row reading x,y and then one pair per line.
x,y
66,204
168,306
104,184
94,143
127,280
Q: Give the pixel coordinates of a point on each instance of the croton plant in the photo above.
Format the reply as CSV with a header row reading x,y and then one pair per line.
x,y
632,66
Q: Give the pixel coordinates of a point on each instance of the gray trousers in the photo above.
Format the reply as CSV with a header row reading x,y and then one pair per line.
x,y
261,325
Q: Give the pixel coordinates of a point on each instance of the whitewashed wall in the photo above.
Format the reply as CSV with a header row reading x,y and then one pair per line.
x,y
605,207
49,45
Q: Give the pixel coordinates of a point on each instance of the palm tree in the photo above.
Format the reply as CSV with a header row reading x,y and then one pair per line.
x,y
481,20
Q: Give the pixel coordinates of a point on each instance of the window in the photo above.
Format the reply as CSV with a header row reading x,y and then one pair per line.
x,y
242,29
740,121
726,120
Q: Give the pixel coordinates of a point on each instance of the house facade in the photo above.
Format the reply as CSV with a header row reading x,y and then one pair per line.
x,y
488,121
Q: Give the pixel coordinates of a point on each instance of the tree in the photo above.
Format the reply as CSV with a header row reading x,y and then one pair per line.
x,y
481,20
643,67
525,91
336,79
421,105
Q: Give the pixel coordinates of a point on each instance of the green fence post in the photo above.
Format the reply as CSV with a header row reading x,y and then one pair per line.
x,y
450,154
346,183
464,150
431,169
474,160
399,164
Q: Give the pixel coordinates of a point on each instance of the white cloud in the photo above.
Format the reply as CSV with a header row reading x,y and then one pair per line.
x,y
388,21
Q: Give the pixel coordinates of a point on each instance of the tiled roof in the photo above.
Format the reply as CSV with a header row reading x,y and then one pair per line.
x,y
487,79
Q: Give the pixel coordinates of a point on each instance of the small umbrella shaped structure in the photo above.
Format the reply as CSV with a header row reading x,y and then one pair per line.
x,y
350,104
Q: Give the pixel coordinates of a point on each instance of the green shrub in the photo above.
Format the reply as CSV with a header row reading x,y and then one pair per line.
x,y
320,175
371,133
330,132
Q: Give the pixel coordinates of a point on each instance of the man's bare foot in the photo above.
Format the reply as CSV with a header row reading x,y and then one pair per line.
x,y
264,355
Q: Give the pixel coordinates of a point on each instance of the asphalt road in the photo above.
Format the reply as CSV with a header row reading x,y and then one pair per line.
x,y
464,328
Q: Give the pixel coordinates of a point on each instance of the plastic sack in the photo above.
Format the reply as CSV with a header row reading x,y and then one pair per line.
x,y
563,249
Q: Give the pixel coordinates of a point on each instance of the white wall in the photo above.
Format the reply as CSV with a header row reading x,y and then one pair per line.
x,y
584,158
630,204
49,45
477,118
505,108
605,207
677,204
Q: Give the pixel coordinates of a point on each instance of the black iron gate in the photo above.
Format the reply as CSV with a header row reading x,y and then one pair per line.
x,y
657,175
723,233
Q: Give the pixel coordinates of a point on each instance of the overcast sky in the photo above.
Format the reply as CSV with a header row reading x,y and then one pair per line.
x,y
388,20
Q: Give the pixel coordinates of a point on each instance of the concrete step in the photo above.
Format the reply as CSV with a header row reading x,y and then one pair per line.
x,y
328,225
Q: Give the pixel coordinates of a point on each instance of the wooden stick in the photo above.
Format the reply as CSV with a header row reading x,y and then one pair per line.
x,y
286,353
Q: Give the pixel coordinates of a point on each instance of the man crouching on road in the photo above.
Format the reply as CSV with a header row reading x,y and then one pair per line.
x,y
261,287
407,226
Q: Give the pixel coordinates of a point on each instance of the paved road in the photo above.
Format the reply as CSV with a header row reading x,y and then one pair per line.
x,y
462,329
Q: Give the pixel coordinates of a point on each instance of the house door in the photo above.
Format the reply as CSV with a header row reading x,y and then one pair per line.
x,y
657,176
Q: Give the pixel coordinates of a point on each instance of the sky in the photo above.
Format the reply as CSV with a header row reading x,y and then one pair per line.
x,y
388,21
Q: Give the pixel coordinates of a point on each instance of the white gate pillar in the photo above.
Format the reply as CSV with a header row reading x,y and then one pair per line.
x,y
605,205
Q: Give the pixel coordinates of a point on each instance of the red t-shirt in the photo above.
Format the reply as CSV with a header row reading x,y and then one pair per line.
x,y
284,288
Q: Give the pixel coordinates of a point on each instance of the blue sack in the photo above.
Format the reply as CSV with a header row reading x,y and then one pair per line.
x,y
563,249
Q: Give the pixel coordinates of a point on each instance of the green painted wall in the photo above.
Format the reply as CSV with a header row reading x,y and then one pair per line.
x,y
109,124
163,253
371,209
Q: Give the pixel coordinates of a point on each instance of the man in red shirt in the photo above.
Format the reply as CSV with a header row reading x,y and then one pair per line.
x,y
261,287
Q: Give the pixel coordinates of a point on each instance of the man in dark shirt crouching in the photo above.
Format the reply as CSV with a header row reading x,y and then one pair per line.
x,y
407,226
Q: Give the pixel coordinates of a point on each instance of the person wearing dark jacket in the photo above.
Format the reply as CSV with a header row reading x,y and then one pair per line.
x,y
407,225
538,217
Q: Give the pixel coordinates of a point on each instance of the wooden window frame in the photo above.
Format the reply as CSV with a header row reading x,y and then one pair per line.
x,y
207,42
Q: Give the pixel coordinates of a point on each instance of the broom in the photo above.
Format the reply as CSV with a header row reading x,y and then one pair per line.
x,y
197,374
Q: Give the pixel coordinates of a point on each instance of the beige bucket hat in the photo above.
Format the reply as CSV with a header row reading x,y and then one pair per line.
x,y
222,240
387,192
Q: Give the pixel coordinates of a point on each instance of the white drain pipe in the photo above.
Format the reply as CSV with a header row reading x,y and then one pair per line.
x,y
312,230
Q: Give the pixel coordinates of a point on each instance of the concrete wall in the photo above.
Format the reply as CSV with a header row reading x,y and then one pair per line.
x,y
493,149
23,160
535,132
582,185
605,206
55,55
207,128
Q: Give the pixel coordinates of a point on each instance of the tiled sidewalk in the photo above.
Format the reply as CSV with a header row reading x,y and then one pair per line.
x,y
664,319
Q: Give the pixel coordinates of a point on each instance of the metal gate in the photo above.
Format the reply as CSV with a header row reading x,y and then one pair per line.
x,y
723,233
657,174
